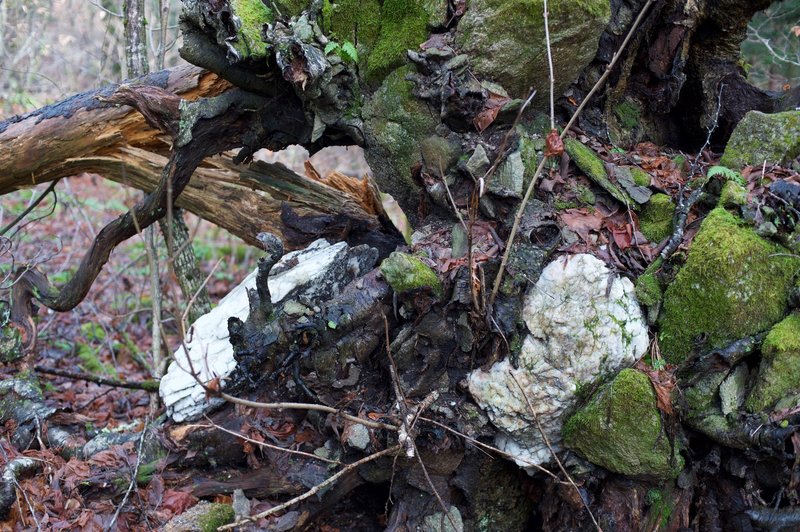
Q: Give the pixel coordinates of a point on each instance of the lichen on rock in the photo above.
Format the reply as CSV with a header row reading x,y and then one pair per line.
x,y
621,430
252,16
734,284
584,324
759,137
779,372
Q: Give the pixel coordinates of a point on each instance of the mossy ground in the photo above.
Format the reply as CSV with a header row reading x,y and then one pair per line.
x,y
779,374
734,284
620,429
655,222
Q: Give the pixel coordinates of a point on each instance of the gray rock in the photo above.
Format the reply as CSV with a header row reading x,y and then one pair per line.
x,y
584,323
760,137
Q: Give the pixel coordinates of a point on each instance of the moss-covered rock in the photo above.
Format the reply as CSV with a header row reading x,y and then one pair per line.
x,y
253,15
648,290
779,374
628,113
384,30
734,284
733,195
588,161
640,177
395,123
655,221
620,429
506,41
405,273
760,137
217,516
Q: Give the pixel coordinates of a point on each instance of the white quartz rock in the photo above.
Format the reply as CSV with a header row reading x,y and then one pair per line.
x,y
302,275
584,323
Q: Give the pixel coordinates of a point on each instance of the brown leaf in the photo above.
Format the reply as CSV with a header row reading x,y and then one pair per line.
x,y
491,108
663,384
177,502
554,146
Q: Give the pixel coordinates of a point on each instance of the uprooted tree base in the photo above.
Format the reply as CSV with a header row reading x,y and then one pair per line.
x,y
367,351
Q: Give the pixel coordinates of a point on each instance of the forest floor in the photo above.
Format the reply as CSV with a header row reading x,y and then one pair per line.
x,y
109,333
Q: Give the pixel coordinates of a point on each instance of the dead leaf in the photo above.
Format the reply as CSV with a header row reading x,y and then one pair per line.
x,y
554,145
491,108
663,384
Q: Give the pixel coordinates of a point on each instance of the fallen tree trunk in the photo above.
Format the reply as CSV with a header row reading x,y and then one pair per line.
x,y
84,134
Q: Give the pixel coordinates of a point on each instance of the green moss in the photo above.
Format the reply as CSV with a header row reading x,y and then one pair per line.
x,y
406,272
253,14
620,429
290,8
760,137
640,177
629,114
733,285
357,21
779,374
655,222
404,26
732,195
90,361
217,516
588,161
648,290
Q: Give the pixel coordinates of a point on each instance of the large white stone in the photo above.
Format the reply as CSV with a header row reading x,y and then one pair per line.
x,y
584,323
298,274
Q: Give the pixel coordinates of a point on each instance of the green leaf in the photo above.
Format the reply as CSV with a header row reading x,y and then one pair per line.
x,y
331,47
727,173
349,52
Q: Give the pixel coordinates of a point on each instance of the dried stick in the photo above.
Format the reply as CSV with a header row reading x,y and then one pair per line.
x,y
313,491
550,67
148,385
552,451
537,173
133,476
267,445
30,207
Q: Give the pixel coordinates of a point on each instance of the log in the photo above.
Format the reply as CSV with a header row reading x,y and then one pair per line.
x,y
85,134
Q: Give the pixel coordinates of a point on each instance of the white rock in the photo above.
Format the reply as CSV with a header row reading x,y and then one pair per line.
x,y
584,323
209,349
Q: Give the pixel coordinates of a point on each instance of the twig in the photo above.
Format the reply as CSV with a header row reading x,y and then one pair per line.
x,y
148,385
552,451
133,476
550,67
267,445
313,491
304,406
30,207
194,297
537,173
685,203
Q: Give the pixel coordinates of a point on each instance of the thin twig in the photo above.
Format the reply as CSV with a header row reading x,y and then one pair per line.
x,y
267,445
30,207
133,476
537,173
550,67
194,297
149,385
313,491
552,451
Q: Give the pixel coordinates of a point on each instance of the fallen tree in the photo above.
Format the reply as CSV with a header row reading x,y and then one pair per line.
x,y
393,359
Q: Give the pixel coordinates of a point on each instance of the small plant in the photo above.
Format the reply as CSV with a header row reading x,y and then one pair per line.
x,y
347,51
727,173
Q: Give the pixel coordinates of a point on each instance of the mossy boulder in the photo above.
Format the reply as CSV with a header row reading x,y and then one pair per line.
x,y
655,222
760,137
594,168
620,429
383,30
506,41
779,373
734,284
407,273
395,123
